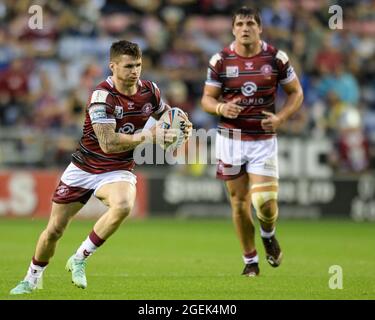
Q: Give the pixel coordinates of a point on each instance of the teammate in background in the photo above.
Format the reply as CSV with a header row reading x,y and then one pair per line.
x,y
102,164
241,85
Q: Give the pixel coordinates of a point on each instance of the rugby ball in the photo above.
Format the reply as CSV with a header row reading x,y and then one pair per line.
x,y
174,118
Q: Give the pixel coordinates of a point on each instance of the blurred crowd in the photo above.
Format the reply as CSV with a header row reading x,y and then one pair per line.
x,y
46,75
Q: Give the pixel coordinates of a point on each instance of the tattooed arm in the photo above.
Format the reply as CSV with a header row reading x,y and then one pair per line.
x,y
113,142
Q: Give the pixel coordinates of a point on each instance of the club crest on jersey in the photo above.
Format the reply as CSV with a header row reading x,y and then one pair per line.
x,y
232,71
147,108
266,69
249,88
119,112
220,167
62,190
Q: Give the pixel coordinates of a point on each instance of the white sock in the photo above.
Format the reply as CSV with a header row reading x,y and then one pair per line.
x,y
34,273
267,235
86,249
253,259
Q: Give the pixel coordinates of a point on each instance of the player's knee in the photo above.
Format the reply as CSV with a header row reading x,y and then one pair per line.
x,y
268,212
55,232
269,207
121,207
264,199
240,204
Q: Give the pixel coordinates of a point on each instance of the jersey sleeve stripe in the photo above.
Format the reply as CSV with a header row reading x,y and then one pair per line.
x,y
161,107
290,78
213,83
104,121
154,87
212,69
99,103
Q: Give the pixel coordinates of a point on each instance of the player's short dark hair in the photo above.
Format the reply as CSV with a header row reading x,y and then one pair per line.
x,y
247,12
124,47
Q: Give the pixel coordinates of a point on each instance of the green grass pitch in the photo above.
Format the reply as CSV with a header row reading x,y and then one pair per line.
x,y
196,259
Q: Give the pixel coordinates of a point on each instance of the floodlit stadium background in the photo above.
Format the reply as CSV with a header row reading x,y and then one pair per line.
x,y
326,151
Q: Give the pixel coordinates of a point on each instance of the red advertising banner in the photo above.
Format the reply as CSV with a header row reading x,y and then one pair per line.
x,y
25,193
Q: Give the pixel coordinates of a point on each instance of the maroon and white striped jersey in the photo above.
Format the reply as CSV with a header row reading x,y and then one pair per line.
x,y
254,82
129,113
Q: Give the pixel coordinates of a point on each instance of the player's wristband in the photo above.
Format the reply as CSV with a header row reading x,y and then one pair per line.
x,y
219,107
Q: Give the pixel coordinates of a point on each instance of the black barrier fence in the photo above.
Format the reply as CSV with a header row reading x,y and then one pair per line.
x,y
184,196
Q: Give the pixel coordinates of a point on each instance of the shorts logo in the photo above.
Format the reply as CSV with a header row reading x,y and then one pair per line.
x,y
119,112
147,108
232,71
266,69
270,164
249,88
62,190
225,169
127,128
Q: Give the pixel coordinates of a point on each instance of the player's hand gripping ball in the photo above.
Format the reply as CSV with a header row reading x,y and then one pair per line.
x,y
176,119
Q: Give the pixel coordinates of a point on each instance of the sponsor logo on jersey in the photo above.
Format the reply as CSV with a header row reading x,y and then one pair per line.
x,y
127,128
249,88
130,105
147,108
232,71
97,113
119,112
252,101
249,65
266,69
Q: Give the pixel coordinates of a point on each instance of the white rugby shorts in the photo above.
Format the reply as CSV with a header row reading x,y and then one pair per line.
x,y
235,157
77,185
